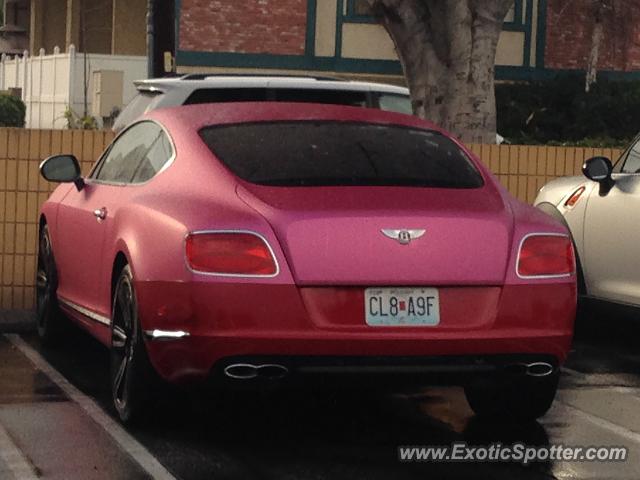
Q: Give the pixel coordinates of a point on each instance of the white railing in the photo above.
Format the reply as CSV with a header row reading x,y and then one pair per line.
x,y
51,84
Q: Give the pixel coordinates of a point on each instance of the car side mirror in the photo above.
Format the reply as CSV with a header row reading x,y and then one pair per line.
x,y
62,168
599,169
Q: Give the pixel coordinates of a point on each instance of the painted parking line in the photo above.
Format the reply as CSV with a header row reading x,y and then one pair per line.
x,y
11,455
126,442
602,423
596,419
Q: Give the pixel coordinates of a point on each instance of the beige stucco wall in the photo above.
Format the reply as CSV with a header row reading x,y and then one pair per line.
x,y
58,23
55,31
371,41
326,27
97,26
367,40
52,14
129,34
510,49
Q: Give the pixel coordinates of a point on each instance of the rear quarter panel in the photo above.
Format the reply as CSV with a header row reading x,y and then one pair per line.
x,y
150,227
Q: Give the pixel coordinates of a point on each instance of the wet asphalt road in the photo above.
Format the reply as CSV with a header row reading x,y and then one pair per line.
x,y
301,436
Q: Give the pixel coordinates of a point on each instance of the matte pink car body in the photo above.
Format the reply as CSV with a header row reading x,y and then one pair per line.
x,y
328,246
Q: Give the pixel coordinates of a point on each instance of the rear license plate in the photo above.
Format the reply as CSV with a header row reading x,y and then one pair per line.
x,y
402,307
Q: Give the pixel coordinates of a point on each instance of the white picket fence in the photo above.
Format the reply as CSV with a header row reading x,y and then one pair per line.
x,y
50,84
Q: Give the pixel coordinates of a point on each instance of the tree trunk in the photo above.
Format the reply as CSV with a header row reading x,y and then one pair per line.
x,y
596,40
447,50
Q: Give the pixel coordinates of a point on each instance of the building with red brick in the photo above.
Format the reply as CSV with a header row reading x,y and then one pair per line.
x,y
336,37
540,38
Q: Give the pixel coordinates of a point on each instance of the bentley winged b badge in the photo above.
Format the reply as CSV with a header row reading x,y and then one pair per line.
x,y
403,237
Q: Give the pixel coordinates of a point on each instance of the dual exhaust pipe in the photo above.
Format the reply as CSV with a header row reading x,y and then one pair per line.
x,y
248,371
273,371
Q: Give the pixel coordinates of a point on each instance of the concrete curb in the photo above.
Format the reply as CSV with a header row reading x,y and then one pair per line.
x,y
17,321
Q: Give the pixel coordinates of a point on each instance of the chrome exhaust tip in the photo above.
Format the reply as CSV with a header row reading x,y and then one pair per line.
x,y
539,369
247,371
241,371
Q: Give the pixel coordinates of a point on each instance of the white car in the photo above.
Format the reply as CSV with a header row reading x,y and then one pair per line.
x,y
601,210
210,88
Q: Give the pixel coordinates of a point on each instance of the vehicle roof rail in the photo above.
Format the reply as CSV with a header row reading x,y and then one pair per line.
x,y
204,76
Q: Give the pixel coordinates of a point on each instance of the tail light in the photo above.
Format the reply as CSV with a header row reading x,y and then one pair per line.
x,y
575,196
546,255
230,253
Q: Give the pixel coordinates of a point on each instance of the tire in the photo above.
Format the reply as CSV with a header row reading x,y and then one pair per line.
x,y
521,399
133,378
50,320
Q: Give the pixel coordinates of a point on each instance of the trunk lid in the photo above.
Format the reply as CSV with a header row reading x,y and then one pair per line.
x,y
333,235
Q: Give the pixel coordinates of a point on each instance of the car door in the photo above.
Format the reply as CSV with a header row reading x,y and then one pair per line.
x,y
611,261
86,217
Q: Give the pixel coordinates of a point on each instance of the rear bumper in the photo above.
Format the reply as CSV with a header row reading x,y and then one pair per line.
x,y
195,359
375,371
235,321
313,372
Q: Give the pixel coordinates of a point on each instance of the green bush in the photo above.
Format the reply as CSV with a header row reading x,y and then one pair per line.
x,y
559,111
12,111
76,122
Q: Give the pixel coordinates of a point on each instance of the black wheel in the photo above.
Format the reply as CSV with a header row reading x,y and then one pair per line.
x,y
518,399
49,317
132,375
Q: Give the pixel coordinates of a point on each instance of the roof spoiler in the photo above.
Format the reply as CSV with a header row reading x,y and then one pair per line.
x,y
142,85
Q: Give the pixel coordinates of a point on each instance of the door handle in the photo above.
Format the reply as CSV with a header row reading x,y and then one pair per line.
x,y
100,213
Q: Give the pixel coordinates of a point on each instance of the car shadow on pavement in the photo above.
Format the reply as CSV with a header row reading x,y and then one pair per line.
x,y
606,341
299,434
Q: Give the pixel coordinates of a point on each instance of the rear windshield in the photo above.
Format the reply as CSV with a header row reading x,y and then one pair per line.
x,y
339,153
223,95
331,97
141,104
299,95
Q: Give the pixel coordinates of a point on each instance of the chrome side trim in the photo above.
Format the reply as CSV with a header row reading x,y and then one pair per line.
x,y
543,277
231,275
165,334
86,312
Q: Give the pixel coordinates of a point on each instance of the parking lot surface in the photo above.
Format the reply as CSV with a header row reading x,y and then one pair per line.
x,y
56,421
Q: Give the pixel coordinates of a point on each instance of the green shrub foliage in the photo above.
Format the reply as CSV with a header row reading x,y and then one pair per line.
x,y
560,111
12,111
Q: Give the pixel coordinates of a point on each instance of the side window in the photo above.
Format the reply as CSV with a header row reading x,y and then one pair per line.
x,y
121,162
632,162
395,103
157,157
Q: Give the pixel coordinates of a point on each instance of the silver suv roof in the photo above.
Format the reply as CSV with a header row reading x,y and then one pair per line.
x,y
198,81
171,92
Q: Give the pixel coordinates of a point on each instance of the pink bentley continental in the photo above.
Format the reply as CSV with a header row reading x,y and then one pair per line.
x,y
298,244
